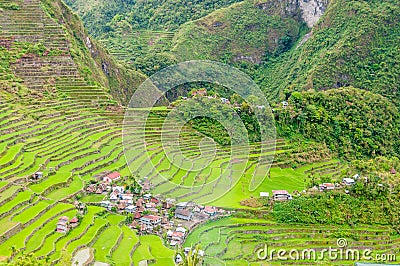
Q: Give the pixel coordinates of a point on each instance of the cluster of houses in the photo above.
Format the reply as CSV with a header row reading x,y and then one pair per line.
x,y
123,201
282,195
189,210
108,185
151,214
155,216
64,224
347,181
203,93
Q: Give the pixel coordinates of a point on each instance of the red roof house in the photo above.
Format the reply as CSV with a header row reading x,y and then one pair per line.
x,y
201,92
112,177
63,219
74,222
210,210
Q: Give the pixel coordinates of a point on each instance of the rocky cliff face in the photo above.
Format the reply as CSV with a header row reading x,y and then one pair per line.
x,y
308,10
312,10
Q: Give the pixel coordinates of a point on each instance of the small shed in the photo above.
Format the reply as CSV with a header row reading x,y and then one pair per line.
x,y
37,176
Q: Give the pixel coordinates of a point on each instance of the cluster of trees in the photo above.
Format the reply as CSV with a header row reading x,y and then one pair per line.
x,y
380,165
9,6
354,123
29,259
96,14
223,123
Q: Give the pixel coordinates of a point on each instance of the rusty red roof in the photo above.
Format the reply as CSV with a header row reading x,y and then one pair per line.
x,y
152,217
280,192
114,175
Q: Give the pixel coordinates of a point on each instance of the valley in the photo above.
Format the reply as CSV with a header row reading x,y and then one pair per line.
x,y
79,185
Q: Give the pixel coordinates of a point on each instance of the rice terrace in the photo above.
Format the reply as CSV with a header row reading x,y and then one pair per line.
x,y
101,164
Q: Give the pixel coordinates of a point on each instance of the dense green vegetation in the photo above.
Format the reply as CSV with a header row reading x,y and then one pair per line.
x,y
355,43
367,203
355,123
351,122
216,113
96,14
140,32
241,32
100,16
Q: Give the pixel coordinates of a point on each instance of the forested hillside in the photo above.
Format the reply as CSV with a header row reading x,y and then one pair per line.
x,y
355,43
355,123
140,32
240,32
100,16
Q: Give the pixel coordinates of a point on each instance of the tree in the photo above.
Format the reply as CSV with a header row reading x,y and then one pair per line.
x,y
235,98
193,258
66,258
28,259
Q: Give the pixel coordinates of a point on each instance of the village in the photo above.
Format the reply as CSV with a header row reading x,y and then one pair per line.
x,y
172,221
154,214
146,213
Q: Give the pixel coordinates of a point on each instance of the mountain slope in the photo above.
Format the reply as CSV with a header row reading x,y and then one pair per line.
x,y
355,43
100,15
240,32
139,32
352,122
58,56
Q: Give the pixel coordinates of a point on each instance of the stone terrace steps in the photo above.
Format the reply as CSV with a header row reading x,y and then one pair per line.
x,y
31,24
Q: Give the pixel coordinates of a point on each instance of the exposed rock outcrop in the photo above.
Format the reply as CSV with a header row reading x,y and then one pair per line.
x,y
309,11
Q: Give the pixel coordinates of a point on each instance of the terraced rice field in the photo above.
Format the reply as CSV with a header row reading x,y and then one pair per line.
x,y
177,178
55,72
235,241
128,46
71,147
72,141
